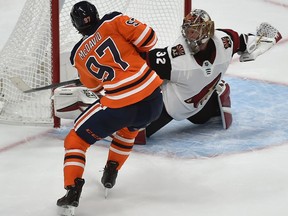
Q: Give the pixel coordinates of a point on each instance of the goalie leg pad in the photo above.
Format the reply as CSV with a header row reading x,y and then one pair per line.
x,y
70,102
223,91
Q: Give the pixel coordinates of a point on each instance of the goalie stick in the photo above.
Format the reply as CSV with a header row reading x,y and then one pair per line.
x,y
22,86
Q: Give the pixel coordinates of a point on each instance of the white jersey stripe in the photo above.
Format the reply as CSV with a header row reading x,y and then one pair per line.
x,y
134,91
74,151
123,139
152,43
141,36
135,76
119,152
82,120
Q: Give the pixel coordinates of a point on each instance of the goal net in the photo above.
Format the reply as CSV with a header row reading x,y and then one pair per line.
x,y
30,51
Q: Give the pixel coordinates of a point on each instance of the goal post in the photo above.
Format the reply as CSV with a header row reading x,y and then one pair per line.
x,y
55,49
38,50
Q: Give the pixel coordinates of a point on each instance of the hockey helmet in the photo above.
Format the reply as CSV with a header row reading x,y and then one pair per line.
x,y
84,15
197,29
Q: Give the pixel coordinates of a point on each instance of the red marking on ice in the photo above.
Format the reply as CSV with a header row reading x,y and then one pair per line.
x,y
23,141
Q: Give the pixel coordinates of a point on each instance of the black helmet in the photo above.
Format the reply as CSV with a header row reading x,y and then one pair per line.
x,y
84,15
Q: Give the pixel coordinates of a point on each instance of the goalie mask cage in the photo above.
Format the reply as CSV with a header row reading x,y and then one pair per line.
x,y
44,31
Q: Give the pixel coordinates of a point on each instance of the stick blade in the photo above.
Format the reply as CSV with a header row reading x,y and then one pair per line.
x,y
20,84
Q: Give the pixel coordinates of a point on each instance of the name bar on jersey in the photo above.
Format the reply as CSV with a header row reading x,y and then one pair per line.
x,y
89,44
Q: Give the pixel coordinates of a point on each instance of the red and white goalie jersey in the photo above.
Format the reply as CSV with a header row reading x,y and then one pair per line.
x,y
190,80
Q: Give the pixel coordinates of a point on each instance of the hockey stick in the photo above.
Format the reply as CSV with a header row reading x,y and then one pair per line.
x,y
22,86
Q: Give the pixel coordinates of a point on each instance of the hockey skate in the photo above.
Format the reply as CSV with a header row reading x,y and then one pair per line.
x,y
109,176
70,201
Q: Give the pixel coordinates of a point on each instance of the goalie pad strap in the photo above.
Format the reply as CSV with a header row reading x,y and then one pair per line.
x,y
223,91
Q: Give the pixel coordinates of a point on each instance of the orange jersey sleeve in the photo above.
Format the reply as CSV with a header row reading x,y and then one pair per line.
x,y
142,37
110,58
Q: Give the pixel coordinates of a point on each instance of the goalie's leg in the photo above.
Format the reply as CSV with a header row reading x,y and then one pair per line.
x,y
223,90
211,109
219,104
156,125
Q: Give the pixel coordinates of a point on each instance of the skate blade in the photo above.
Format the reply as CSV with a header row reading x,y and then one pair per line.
x,y
106,192
66,211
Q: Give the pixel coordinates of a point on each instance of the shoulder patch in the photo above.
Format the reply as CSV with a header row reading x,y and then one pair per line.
x,y
226,42
177,50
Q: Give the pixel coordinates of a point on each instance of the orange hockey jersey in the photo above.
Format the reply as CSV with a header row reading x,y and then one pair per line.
x,y
110,59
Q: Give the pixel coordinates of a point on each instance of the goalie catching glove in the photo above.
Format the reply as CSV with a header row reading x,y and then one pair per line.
x,y
266,37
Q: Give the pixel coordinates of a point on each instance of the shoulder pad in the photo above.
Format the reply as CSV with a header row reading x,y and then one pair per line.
x,y
110,16
73,52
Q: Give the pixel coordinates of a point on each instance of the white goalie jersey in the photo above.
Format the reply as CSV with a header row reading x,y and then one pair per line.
x,y
184,94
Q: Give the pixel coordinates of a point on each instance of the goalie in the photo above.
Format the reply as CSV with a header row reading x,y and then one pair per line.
x,y
193,69
194,66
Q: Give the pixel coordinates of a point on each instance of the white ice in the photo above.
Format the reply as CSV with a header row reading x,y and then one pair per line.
x,y
249,183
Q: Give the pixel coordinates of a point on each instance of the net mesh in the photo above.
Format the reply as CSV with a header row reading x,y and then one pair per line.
x,y
27,54
267,30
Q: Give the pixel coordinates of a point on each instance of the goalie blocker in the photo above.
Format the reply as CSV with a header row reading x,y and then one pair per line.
x,y
70,102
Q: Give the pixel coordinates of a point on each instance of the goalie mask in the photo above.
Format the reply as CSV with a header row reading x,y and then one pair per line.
x,y
84,16
197,29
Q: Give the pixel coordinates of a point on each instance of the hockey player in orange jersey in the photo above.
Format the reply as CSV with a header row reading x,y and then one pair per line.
x,y
107,58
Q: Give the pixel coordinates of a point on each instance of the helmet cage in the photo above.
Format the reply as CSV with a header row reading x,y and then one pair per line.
x,y
197,29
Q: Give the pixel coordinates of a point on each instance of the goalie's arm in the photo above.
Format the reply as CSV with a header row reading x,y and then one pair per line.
x,y
159,61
